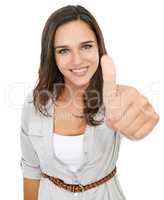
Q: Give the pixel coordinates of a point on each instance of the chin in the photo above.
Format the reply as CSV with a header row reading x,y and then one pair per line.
x,y
81,83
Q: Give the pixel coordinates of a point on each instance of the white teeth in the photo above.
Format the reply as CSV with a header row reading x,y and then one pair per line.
x,y
79,70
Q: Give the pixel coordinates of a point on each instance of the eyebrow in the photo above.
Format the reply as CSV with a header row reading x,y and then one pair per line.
x,y
66,46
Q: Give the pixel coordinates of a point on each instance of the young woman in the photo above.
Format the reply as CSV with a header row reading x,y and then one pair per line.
x,y
73,121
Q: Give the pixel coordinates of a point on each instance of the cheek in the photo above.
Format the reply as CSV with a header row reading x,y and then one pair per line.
x,y
93,58
61,63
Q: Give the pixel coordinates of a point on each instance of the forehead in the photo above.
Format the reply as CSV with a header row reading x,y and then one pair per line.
x,y
73,32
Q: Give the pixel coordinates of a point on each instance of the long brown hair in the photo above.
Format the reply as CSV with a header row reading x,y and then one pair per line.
x,y
49,74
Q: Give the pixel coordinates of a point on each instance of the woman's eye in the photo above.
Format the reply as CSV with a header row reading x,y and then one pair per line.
x,y
63,51
88,46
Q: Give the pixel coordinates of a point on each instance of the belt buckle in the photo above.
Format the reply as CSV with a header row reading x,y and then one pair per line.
x,y
82,187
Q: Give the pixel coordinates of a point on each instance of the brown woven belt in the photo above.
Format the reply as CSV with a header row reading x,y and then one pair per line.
x,y
79,188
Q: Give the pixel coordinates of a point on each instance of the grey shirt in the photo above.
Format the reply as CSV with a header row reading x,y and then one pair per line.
x,y
100,152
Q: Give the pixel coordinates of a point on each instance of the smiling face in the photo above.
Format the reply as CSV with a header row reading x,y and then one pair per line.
x,y
76,53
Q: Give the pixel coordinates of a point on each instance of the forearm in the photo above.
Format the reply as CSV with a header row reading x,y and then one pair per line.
x,y
31,188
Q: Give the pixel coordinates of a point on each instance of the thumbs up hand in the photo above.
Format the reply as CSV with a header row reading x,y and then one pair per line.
x,y
126,110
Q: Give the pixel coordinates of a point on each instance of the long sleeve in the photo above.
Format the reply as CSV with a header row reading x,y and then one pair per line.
x,y
29,162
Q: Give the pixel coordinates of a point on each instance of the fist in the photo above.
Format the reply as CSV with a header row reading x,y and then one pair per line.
x,y
126,110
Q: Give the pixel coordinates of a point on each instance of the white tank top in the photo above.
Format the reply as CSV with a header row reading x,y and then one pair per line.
x,y
69,149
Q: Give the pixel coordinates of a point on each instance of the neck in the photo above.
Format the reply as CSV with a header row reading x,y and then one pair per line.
x,y
73,94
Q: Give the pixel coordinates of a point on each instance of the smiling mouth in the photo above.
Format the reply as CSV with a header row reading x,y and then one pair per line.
x,y
79,72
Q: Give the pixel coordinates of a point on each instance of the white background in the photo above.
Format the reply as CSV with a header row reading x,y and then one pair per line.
x,y
134,36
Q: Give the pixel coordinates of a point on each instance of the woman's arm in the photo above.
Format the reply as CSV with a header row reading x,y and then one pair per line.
x,y
31,188
29,162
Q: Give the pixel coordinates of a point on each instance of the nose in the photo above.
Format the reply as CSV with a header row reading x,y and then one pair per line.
x,y
76,58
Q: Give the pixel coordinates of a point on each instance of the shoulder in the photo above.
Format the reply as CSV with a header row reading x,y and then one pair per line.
x,y
27,110
28,103
103,132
